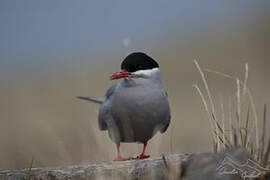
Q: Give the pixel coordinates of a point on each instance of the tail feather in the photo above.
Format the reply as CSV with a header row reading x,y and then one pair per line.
x,y
92,99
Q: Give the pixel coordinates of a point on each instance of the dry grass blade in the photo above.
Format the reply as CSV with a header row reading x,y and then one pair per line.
x,y
266,156
206,86
243,132
220,73
255,117
238,98
205,106
238,128
219,129
238,112
222,117
246,130
220,138
165,161
263,132
217,137
251,102
203,100
251,149
230,120
246,78
235,140
215,147
216,123
209,96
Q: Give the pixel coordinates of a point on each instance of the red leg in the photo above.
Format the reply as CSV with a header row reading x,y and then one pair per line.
x,y
142,155
119,157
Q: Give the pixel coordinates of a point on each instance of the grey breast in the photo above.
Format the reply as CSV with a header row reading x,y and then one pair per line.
x,y
134,111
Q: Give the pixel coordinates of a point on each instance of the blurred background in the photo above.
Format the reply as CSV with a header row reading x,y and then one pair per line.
x,y
52,51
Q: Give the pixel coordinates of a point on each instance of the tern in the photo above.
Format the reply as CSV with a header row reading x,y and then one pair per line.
x,y
136,107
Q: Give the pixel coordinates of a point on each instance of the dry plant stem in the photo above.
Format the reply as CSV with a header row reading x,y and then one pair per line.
x,y
256,119
246,129
251,102
246,78
221,130
217,127
263,132
206,108
208,93
244,132
214,146
235,137
230,119
222,118
206,86
238,113
244,92
218,138
266,156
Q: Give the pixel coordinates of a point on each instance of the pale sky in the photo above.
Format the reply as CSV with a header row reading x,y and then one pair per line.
x,y
36,32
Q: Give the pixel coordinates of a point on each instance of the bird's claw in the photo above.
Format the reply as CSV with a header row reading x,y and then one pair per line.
x,y
142,156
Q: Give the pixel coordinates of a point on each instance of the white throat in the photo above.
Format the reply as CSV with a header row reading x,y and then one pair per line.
x,y
146,73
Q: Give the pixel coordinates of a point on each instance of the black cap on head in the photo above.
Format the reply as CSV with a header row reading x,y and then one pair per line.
x,y
138,61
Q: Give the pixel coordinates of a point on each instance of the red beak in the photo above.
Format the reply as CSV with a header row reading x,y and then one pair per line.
x,y
119,75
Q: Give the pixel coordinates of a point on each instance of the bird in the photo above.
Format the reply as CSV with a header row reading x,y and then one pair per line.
x,y
136,107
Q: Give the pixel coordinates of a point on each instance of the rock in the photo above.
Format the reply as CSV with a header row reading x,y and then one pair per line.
x,y
229,164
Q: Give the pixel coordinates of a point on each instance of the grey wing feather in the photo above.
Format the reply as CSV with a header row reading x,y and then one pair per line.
x,y
104,111
167,122
166,125
110,91
102,116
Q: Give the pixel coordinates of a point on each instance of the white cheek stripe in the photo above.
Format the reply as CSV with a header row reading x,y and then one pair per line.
x,y
147,72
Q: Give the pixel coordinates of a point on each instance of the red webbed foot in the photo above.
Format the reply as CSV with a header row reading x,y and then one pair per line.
x,y
124,159
142,156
